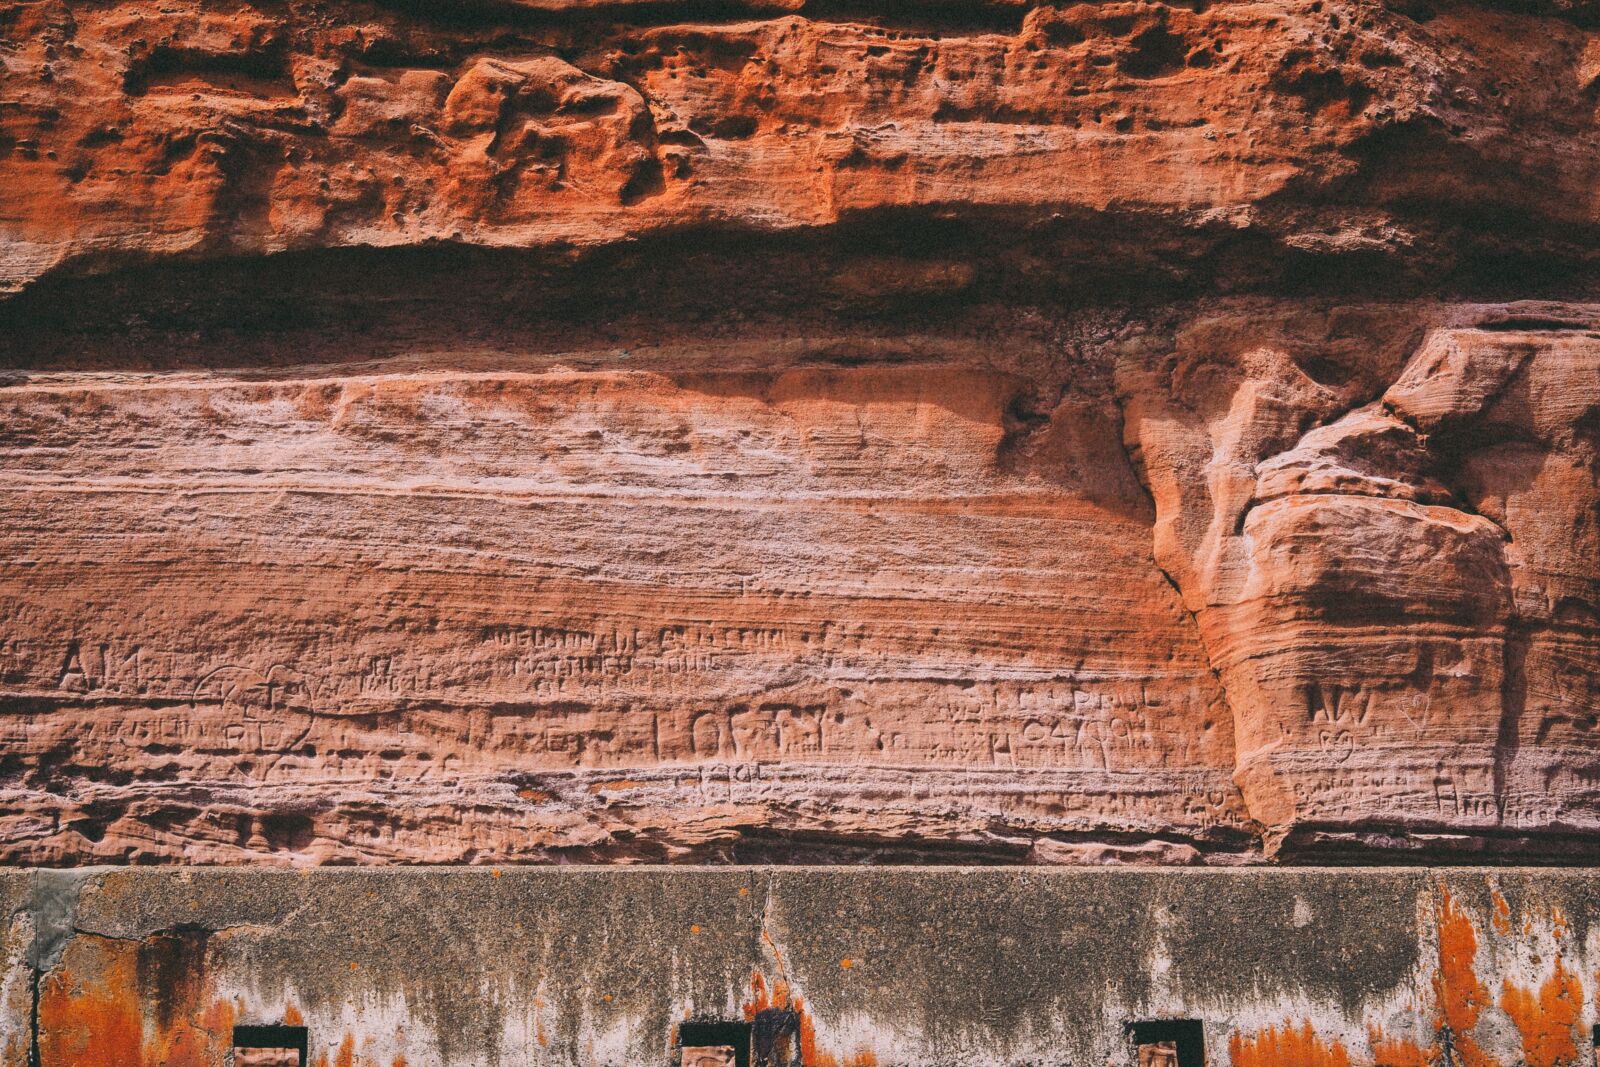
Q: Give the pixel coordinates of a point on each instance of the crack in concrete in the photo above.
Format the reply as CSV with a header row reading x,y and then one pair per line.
x,y
52,903
53,899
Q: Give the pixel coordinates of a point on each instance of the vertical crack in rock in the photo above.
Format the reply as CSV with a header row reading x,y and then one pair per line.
x,y
1133,456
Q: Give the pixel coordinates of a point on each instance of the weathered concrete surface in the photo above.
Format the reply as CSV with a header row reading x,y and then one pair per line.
x,y
1295,968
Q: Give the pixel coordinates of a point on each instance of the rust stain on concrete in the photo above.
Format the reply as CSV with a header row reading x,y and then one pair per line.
x,y
121,1003
92,1015
777,995
1460,994
1396,1051
1274,1047
1546,1019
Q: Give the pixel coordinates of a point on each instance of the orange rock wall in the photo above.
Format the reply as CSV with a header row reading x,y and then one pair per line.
x,y
137,127
794,430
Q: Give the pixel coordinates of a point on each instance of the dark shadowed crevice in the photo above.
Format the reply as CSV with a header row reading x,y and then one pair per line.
x,y
886,267
1168,1042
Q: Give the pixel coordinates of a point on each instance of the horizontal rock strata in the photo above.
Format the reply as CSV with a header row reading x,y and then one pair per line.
x,y
796,430
137,129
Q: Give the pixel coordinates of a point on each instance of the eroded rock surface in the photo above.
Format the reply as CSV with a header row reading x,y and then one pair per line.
x,y
138,128
1380,617
791,430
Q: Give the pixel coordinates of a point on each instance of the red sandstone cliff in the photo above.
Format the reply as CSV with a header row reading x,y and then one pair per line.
x,y
793,429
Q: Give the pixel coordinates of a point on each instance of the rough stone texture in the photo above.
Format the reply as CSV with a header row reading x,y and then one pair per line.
x,y
798,429
137,128
802,596
815,595
1400,601
875,966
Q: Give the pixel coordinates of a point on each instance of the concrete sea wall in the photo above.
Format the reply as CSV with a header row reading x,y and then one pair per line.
x,y
825,967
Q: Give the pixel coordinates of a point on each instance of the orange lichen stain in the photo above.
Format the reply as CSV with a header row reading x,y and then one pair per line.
x,y
762,998
354,966
399,1061
1501,919
1281,1048
346,1056
1558,920
539,1035
495,873
694,928
292,1016
1461,996
186,1043
88,1011
744,891
847,963
1545,1021
533,796
1395,1051
779,996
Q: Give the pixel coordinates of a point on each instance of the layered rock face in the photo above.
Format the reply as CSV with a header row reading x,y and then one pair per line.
x,y
1399,596
140,128
794,431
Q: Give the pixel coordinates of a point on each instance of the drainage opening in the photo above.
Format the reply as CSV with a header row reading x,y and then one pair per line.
x,y
714,1044
1169,1043
775,1038
269,1046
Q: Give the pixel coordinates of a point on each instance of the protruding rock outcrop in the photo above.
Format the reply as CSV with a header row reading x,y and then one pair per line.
x,y
1380,613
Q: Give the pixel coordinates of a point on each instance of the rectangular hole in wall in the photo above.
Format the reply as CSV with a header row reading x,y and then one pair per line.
x,y
1596,1038
1169,1043
269,1046
714,1045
